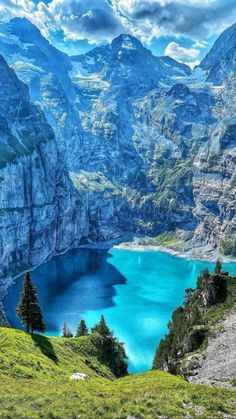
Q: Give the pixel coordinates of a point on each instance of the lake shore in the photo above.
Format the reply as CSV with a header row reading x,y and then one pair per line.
x,y
198,253
184,249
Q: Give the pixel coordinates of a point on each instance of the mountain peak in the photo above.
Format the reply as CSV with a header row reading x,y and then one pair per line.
x,y
21,20
23,23
24,29
225,42
220,60
126,41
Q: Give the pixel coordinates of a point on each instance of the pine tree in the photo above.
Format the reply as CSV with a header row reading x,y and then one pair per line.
x,y
82,329
28,308
102,328
66,332
218,267
112,352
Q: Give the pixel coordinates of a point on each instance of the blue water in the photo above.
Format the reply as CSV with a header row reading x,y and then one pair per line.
x,y
136,291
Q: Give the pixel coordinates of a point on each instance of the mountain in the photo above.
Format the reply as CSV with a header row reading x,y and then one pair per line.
x,y
164,135
41,214
143,146
126,61
18,137
220,62
22,38
45,70
48,72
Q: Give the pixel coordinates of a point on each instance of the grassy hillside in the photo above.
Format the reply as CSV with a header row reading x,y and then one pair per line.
x,y
35,372
29,356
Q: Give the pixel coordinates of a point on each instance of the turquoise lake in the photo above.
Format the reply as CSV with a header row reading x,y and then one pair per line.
x,y
136,291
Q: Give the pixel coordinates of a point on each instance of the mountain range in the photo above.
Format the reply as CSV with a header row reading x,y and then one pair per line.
x,y
113,142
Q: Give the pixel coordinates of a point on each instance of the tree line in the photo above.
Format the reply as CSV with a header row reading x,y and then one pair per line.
x,y
110,350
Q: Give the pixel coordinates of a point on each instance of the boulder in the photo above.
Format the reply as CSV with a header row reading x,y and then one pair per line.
x,y
79,376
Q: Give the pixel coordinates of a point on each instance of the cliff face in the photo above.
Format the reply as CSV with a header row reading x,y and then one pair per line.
x,y
46,72
214,190
40,212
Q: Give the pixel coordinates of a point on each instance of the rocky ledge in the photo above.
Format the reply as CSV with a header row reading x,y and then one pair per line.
x,y
216,365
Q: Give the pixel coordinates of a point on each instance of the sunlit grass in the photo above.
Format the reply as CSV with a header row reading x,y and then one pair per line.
x,y
35,383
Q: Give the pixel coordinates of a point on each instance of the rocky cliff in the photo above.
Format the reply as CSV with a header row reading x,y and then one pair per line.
x,y
46,71
41,214
216,365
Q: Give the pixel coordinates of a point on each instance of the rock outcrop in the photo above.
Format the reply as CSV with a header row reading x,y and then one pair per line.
x,y
217,363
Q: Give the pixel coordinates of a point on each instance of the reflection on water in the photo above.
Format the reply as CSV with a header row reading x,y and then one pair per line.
x,y
69,285
136,291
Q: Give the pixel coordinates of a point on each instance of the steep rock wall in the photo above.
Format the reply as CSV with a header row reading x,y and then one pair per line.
x,y
41,213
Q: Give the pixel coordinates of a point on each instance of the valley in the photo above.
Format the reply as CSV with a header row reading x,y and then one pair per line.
x,y
145,149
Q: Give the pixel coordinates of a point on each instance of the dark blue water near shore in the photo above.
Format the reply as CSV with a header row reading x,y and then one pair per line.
x,y
136,291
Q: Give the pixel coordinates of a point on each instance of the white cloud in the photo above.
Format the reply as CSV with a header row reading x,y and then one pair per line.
x,y
102,20
185,55
93,20
177,52
200,44
189,18
20,8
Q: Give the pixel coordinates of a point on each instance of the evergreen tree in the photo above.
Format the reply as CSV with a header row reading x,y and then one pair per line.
x,y
112,352
28,308
66,332
102,328
82,329
218,267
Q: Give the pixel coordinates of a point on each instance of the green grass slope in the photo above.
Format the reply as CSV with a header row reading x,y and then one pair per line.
x,y
35,383
23,355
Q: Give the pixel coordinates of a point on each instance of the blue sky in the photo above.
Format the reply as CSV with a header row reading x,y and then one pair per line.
x,y
183,29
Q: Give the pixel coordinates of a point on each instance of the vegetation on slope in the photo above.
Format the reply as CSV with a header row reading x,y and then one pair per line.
x,y
196,320
174,184
35,383
228,247
3,320
31,356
